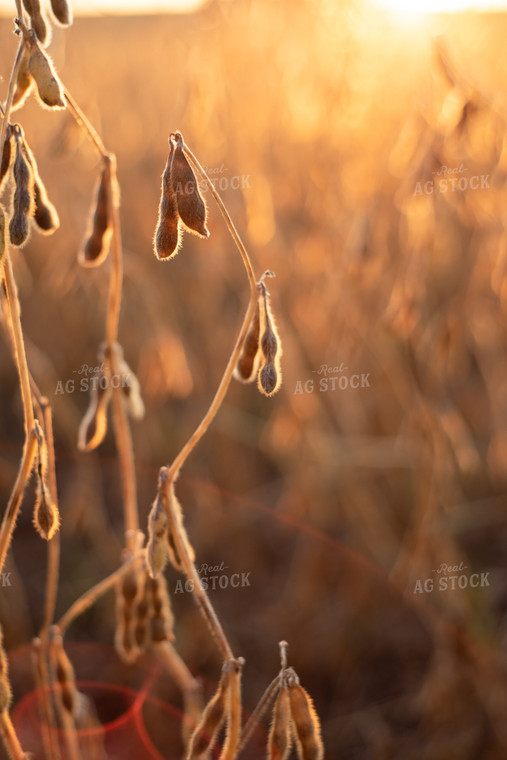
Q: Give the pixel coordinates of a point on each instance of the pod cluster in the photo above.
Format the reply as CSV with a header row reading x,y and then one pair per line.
x,y
29,205
41,18
143,614
262,348
181,204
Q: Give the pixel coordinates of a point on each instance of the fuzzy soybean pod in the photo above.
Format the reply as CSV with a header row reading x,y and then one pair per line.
x,y
158,530
270,375
24,80
306,723
45,215
247,365
62,12
212,719
48,85
280,735
39,25
93,427
96,247
5,163
23,201
191,206
167,237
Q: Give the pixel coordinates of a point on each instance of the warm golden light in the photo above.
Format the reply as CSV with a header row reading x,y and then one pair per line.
x,y
420,7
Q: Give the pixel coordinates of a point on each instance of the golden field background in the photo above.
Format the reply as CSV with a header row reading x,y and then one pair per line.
x,y
336,503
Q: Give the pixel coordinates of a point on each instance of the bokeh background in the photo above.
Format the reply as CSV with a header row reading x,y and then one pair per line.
x,y
323,123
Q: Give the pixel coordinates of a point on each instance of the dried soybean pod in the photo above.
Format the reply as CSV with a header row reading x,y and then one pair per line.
x,y
270,375
93,427
212,719
167,237
158,525
306,723
280,735
176,530
96,247
246,367
127,591
62,12
191,206
23,200
39,26
233,713
131,391
5,687
42,70
162,621
45,214
46,518
24,80
5,163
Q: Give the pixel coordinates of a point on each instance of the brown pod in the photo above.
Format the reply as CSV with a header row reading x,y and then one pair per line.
x,y
167,237
191,206
93,427
212,720
248,361
162,621
158,525
268,379
24,80
280,735
45,214
131,390
49,88
39,26
270,375
306,723
5,163
23,200
96,247
62,12
128,590
46,518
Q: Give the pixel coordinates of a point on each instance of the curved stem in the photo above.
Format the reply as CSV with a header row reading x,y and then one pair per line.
x,y
90,597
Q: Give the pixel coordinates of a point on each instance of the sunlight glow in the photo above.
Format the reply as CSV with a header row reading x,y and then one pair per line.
x,y
421,7
120,7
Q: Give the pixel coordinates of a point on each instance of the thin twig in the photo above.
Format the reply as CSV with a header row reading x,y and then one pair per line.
x,y
11,512
90,597
10,738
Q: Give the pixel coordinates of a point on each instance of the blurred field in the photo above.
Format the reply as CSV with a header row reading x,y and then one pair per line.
x,y
335,503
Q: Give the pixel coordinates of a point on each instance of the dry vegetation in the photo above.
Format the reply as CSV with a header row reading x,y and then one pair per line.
x,y
321,125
